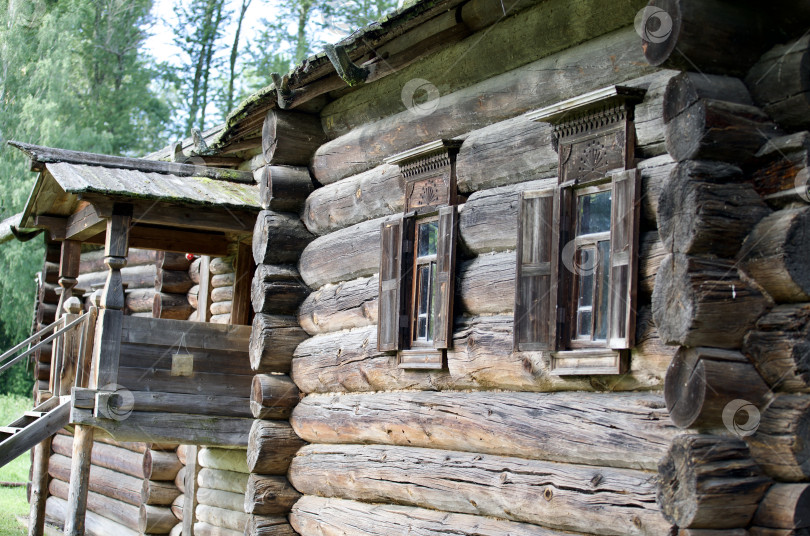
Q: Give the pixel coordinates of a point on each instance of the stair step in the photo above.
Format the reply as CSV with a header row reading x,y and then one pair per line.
x,y
9,430
35,414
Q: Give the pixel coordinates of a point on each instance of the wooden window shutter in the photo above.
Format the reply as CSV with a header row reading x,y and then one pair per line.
x,y
445,277
396,237
624,222
536,290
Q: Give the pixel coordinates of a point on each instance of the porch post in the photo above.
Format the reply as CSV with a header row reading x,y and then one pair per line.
x,y
105,361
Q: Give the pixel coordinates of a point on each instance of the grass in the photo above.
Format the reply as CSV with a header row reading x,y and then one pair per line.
x,y
12,500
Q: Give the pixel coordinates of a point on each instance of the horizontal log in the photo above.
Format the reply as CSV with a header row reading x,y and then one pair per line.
x,y
159,493
156,519
778,347
779,445
222,480
223,459
102,481
172,306
532,425
290,137
347,305
204,529
220,319
702,382
223,280
221,308
161,465
316,515
704,302
56,511
774,254
172,427
368,195
269,495
710,482
192,296
140,300
706,209
221,265
93,261
269,526
161,380
785,506
283,188
222,294
221,517
115,510
780,83
782,170
273,341
134,277
651,253
279,238
201,336
180,480
107,456
654,176
168,260
207,404
763,531
177,507
223,499
194,270
482,358
271,446
558,496
273,396
277,289
211,359
486,284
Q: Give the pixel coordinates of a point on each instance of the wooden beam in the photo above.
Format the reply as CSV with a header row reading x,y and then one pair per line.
x,y
243,270
204,294
39,488
190,494
84,223
177,240
47,155
55,225
79,481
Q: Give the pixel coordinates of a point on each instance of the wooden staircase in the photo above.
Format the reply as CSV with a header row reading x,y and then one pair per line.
x,y
33,427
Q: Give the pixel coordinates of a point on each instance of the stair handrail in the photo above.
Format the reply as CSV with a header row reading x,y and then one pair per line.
x,y
40,344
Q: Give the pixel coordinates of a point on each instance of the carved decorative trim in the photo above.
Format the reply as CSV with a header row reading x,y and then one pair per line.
x,y
424,164
430,174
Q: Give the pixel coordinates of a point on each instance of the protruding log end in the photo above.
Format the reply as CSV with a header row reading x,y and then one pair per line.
x,y
273,396
785,506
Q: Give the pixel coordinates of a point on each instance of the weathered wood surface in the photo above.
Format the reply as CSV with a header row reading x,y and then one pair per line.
x,y
221,265
221,308
374,193
161,380
785,506
142,276
220,319
706,209
774,254
223,459
204,529
273,341
115,510
161,465
93,261
223,499
269,495
567,497
140,300
177,507
168,260
222,480
222,517
171,306
271,446
172,281
710,482
107,456
95,525
702,382
283,188
103,481
38,491
279,238
156,519
763,531
207,404
290,137
780,83
486,284
223,280
312,516
778,346
495,99
273,396
346,305
779,445
781,174
159,493
269,526
651,253
703,301
277,289
654,176
529,425
482,358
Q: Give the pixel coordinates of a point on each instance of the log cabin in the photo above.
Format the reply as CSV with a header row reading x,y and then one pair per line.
x,y
520,267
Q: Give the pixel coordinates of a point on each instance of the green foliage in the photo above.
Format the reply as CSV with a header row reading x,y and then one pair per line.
x,y
12,500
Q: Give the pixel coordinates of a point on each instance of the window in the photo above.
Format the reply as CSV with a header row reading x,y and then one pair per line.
x,y
577,243
417,261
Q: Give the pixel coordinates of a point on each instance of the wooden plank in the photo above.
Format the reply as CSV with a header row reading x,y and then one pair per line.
x,y
84,223
204,294
161,380
190,491
173,239
165,332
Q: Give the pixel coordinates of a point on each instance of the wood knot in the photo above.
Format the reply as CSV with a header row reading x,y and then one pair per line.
x,y
548,494
637,521
596,480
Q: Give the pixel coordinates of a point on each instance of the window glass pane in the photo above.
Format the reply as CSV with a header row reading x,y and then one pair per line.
x,y
424,303
593,213
428,234
602,290
584,324
432,307
424,283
